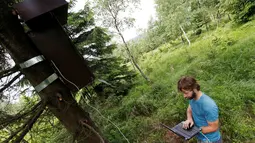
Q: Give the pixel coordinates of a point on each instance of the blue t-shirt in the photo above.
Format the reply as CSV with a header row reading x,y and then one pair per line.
x,y
205,109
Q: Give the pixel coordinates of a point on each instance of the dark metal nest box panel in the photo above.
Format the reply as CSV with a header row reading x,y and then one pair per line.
x,y
55,45
30,10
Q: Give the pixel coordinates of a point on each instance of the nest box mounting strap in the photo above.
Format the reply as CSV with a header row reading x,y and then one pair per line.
x,y
31,62
46,82
34,61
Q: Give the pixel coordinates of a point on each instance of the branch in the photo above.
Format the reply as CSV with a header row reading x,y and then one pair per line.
x,y
8,121
26,126
9,83
93,130
30,124
111,12
9,71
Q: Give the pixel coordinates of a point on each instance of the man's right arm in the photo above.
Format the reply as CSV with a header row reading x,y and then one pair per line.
x,y
189,113
189,122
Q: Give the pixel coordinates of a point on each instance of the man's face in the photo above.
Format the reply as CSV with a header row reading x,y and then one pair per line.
x,y
188,94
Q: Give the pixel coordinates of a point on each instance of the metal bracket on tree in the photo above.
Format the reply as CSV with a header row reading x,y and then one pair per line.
x,y
32,62
46,82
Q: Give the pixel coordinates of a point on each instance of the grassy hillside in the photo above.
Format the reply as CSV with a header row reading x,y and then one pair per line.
x,y
223,61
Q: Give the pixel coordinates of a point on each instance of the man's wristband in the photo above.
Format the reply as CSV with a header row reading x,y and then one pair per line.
x,y
200,129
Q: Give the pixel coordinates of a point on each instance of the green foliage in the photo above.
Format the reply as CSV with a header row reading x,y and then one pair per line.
x,y
94,44
241,9
194,16
115,13
59,136
222,61
150,39
114,78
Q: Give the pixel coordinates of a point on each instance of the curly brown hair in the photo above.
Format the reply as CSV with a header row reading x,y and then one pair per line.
x,y
188,83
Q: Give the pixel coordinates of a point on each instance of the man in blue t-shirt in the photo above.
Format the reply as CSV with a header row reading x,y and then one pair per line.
x,y
202,111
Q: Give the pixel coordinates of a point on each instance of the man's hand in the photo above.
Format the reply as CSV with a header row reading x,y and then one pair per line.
x,y
187,124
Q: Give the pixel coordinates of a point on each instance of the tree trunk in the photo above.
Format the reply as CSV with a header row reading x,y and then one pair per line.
x,y
206,23
58,97
185,35
116,26
131,56
218,18
229,18
182,39
206,26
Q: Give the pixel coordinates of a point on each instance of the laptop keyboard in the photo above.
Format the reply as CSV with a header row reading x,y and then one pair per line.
x,y
185,133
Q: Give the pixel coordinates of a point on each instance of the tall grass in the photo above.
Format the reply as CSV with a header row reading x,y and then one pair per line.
x,y
223,61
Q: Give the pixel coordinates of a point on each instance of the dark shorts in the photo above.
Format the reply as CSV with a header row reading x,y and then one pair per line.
x,y
219,141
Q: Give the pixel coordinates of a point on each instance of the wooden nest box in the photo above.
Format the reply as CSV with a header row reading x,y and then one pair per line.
x,y
45,19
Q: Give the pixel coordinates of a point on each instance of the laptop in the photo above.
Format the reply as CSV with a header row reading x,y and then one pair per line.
x,y
186,134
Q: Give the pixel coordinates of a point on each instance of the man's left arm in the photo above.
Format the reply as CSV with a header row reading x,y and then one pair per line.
x,y
212,117
212,127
